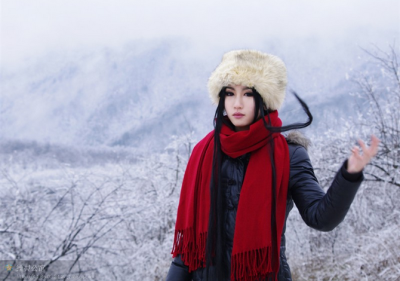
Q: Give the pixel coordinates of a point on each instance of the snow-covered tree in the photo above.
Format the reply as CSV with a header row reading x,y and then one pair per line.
x,y
366,245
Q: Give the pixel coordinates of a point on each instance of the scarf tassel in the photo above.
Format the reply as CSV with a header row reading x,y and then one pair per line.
x,y
192,254
253,265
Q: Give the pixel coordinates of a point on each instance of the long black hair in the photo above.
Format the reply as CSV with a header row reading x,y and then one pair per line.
x,y
215,246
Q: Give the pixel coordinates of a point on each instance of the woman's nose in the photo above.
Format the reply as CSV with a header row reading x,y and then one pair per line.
x,y
238,102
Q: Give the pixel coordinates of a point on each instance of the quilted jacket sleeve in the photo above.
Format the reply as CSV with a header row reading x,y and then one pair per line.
x,y
319,210
178,271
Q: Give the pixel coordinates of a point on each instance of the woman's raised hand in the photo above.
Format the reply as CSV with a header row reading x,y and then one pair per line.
x,y
358,161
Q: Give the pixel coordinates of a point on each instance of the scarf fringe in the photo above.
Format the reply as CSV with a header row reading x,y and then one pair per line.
x,y
253,265
192,254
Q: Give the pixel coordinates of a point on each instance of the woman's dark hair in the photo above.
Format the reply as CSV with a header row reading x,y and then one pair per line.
x,y
215,246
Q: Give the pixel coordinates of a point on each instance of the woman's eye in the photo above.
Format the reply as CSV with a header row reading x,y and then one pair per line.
x,y
250,94
229,94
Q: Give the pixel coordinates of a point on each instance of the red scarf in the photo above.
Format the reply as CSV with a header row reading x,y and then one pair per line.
x,y
252,244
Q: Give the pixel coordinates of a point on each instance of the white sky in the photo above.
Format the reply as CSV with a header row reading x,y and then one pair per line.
x,y
31,28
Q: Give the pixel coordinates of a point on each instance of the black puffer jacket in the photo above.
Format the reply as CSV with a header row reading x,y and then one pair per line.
x,y
319,210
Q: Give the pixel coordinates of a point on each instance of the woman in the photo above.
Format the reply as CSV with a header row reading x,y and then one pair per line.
x,y
243,177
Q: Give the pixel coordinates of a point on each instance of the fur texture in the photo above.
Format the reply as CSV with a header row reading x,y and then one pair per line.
x,y
265,72
296,137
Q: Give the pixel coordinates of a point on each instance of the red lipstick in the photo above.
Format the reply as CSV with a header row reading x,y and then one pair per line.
x,y
238,115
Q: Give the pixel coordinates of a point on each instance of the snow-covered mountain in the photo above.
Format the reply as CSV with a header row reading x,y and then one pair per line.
x,y
140,95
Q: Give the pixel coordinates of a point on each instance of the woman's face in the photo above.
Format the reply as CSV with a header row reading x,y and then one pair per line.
x,y
239,106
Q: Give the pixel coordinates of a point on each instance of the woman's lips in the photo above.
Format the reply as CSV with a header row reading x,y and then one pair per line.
x,y
238,115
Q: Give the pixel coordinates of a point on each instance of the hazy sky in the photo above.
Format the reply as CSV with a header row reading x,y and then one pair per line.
x,y
31,28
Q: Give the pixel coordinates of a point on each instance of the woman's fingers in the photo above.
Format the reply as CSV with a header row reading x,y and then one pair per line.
x,y
372,150
369,151
356,151
358,161
363,146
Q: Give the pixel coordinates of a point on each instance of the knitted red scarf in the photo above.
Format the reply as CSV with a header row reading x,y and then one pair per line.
x,y
252,244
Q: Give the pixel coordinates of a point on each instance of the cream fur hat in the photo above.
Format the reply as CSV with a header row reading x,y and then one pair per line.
x,y
266,73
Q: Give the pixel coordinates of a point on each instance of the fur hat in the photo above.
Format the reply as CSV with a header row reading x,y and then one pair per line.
x,y
265,72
